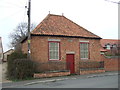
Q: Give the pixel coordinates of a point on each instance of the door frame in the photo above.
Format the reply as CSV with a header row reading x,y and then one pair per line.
x,y
72,68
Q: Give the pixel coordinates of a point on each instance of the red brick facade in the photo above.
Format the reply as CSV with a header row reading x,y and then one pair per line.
x,y
39,49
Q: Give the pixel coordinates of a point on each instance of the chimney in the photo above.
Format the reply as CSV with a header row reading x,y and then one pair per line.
x,y
49,12
62,14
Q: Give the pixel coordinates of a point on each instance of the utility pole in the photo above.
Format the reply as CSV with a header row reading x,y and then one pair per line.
x,y
113,1
29,35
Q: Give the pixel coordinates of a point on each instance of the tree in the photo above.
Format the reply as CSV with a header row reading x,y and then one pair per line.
x,y
19,33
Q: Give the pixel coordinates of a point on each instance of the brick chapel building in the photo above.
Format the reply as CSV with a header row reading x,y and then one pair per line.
x,y
58,39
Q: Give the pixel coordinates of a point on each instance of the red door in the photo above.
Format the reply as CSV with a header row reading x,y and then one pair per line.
x,y
70,63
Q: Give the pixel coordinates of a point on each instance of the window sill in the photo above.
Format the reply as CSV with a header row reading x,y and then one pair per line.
x,y
54,60
84,59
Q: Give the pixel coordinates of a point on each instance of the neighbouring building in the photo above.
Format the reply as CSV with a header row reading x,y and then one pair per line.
x,y
58,39
7,53
110,46
1,50
110,51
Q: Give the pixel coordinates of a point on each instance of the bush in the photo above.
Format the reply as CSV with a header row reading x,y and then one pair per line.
x,y
23,68
19,67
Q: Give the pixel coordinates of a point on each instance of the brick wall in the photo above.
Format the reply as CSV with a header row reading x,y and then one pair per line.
x,y
91,71
39,49
111,63
42,75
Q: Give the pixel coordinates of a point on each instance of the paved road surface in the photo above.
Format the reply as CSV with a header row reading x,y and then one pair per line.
x,y
93,82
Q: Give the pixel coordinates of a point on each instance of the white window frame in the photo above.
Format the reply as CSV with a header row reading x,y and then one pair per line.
x,y
114,46
58,58
84,52
108,46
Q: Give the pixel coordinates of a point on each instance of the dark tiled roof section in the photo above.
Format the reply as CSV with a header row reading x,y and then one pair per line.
x,y
109,41
60,25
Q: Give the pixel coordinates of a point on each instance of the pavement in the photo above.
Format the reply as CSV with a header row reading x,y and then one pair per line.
x,y
9,84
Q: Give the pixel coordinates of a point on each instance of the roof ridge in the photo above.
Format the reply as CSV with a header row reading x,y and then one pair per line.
x,y
55,15
36,30
81,27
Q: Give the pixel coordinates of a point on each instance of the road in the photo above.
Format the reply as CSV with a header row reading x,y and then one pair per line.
x,y
91,82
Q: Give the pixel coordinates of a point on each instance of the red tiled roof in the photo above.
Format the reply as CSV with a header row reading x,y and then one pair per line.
x,y
60,25
109,41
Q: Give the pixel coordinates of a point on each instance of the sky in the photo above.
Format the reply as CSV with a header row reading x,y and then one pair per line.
x,y
98,16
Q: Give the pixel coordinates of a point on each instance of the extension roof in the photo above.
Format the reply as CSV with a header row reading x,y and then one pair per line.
x,y
56,25
111,42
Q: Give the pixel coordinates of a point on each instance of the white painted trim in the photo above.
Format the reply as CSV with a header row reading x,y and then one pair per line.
x,y
84,41
58,52
54,40
70,52
84,58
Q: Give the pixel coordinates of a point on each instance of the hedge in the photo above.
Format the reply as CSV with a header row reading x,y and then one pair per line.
x,y
23,69
19,67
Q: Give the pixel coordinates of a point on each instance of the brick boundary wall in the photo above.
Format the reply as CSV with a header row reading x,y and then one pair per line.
x,y
54,74
83,72
111,63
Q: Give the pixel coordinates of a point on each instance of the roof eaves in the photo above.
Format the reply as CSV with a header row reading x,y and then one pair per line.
x,y
8,51
66,36
24,39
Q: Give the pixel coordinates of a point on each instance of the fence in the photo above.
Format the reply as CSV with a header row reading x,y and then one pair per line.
x,y
51,67
64,66
91,65
88,67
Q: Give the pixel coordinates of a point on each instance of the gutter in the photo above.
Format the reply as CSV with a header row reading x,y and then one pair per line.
x,y
60,36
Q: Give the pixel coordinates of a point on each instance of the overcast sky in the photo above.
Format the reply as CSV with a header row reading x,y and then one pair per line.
x,y
98,16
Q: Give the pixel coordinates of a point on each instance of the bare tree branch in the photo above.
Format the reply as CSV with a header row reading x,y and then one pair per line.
x,y
19,33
